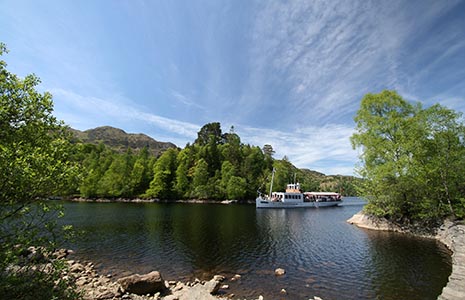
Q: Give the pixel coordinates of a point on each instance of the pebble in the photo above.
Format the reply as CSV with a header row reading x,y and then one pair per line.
x,y
279,272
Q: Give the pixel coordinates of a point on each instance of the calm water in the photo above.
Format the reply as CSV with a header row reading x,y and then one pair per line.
x,y
322,254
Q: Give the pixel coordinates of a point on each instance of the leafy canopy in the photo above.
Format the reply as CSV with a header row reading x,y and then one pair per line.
x,y
34,165
412,159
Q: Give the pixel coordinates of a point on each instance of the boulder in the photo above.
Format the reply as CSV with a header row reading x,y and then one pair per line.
x,y
212,286
143,284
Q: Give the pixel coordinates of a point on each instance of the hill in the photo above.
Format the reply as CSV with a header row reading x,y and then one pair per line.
x,y
119,140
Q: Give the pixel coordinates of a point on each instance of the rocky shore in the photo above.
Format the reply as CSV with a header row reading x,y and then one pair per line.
x,y
452,234
151,286
91,285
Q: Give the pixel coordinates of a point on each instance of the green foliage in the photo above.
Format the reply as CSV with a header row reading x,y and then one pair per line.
x,y
202,170
162,185
34,164
413,158
210,132
236,187
200,180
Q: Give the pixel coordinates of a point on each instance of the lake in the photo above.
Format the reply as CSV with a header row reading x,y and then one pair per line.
x,y
322,254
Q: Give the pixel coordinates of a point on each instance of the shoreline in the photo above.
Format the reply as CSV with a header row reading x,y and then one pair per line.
x,y
139,200
150,286
451,234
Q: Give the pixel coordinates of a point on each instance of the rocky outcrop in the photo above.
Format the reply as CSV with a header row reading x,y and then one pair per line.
x,y
451,234
369,222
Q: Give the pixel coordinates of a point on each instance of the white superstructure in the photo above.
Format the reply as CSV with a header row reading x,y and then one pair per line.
x,y
294,197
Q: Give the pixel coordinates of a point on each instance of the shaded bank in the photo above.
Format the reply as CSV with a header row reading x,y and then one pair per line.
x,y
452,234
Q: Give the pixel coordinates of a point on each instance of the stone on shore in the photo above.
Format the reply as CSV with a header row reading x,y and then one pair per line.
x,y
150,283
279,272
212,286
219,277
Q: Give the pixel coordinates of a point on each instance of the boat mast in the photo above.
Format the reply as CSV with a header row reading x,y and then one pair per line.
x,y
272,178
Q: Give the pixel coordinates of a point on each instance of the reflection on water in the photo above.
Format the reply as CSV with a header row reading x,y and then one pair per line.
x,y
322,254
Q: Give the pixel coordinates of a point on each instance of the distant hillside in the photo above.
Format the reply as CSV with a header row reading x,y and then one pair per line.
x,y
338,183
119,140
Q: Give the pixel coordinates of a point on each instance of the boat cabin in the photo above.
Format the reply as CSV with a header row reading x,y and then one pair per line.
x,y
322,196
293,194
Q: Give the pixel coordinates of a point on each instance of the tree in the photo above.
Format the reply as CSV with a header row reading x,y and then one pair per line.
x,y
162,185
412,159
184,160
236,188
268,150
34,164
139,180
253,167
207,132
200,180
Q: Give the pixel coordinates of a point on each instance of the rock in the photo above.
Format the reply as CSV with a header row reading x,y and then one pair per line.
x,y
283,291
171,297
36,254
236,277
279,272
143,284
219,277
225,287
260,297
212,286
82,281
369,222
317,298
60,253
76,268
105,295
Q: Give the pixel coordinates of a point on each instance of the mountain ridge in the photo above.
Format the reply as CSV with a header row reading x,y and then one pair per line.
x,y
120,140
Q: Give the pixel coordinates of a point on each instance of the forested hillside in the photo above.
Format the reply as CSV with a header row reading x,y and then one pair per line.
x,y
216,165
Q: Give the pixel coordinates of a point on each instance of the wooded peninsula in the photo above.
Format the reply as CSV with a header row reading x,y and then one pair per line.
x,y
216,166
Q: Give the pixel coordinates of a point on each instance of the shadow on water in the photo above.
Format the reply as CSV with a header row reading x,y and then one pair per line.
x,y
322,254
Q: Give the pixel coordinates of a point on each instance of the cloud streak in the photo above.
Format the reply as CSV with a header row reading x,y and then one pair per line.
x,y
326,149
105,109
329,54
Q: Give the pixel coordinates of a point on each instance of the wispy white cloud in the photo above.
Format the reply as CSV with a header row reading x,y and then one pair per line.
x,y
326,149
105,109
329,54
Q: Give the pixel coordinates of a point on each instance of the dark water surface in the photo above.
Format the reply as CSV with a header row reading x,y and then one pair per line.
x,y
322,254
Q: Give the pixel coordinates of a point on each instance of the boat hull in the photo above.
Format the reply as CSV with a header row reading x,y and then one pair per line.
x,y
263,203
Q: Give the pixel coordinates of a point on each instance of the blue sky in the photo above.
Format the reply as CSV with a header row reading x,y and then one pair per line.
x,y
286,73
